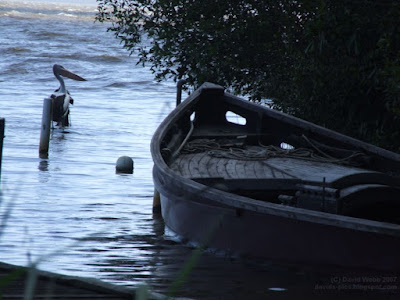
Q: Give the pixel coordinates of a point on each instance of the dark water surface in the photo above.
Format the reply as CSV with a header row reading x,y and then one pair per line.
x,y
71,211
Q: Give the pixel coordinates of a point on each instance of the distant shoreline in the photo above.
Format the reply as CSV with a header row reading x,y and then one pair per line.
x,y
49,9
74,2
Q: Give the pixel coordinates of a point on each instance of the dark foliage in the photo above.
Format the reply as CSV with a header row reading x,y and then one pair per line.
x,y
335,63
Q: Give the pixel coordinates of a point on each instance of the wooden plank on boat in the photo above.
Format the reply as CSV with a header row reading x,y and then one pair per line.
x,y
220,165
207,168
194,165
202,165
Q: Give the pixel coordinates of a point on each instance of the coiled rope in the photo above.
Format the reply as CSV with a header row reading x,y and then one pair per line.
x,y
262,152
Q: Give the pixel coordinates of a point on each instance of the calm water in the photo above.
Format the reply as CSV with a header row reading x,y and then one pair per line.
x,y
71,210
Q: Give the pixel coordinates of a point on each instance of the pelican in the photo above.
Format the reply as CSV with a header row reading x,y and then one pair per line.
x,y
61,96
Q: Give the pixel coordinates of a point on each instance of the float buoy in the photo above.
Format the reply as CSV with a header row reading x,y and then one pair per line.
x,y
124,165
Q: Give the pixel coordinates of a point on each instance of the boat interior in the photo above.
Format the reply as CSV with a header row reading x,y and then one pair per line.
x,y
244,149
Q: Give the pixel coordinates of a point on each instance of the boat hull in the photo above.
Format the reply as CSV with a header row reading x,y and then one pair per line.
x,y
275,238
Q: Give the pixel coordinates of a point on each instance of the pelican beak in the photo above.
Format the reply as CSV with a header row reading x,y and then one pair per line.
x,y
66,73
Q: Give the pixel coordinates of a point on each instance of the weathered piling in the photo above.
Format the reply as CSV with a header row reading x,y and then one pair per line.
x,y
156,202
179,86
45,128
2,125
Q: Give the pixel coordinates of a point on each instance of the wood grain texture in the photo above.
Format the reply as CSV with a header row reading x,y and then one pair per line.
x,y
206,165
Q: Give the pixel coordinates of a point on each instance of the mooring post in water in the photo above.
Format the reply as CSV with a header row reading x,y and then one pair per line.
x,y
156,202
2,124
179,86
45,128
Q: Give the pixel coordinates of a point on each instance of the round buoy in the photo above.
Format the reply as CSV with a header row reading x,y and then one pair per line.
x,y
124,165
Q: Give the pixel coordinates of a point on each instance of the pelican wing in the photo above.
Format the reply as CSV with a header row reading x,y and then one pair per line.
x,y
59,108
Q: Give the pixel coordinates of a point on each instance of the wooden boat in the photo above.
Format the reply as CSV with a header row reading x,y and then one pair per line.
x,y
238,176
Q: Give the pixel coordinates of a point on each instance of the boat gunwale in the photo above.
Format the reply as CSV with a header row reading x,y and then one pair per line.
x,y
161,169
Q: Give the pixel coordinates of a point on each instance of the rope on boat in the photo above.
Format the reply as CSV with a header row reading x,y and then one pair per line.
x,y
262,152
186,138
201,145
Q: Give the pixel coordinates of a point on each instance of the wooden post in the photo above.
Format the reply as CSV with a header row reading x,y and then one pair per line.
x,y
45,128
2,125
156,203
179,91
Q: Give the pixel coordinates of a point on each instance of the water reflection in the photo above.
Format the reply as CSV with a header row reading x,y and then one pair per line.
x,y
43,165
